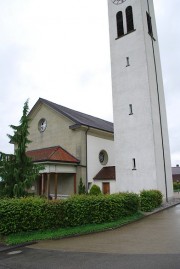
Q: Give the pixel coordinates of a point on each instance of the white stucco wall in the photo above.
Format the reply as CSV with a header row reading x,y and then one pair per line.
x,y
59,168
94,146
139,135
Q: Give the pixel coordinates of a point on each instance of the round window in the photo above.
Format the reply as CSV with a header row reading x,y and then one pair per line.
x,y
42,125
103,157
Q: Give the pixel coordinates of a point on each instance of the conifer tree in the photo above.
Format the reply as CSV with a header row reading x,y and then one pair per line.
x,y
81,187
18,172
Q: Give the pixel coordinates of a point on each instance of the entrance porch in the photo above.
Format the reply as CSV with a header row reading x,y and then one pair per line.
x,y
56,185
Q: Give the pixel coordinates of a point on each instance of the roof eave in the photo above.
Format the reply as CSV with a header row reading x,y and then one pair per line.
x,y
54,162
77,126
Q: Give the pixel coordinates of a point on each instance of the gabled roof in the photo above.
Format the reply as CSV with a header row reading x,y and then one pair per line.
x,y
80,118
53,154
106,173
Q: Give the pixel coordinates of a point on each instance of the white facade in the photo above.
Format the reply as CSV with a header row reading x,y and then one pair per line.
x,y
95,145
142,155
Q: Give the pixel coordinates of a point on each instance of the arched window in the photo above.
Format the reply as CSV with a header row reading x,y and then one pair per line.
x,y
120,27
129,19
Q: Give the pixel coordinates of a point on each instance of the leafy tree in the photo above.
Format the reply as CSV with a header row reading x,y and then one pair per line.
x,y
17,171
81,187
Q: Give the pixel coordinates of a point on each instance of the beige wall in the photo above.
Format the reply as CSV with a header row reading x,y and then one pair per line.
x,y
58,133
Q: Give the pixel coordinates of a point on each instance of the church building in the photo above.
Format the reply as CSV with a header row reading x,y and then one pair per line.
x,y
132,155
70,145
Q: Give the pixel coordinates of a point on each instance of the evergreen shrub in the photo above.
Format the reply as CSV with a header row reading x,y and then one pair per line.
x,y
81,187
28,214
150,200
176,186
95,190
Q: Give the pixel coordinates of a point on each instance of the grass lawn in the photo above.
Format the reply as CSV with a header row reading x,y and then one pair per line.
x,y
25,237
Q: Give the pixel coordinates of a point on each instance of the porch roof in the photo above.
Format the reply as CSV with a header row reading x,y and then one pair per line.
x,y
53,154
106,173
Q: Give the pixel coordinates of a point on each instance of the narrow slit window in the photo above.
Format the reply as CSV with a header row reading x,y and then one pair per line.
x,y
134,163
130,109
120,26
150,30
129,19
127,62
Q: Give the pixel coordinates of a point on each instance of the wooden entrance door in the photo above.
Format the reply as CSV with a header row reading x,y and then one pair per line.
x,y
106,188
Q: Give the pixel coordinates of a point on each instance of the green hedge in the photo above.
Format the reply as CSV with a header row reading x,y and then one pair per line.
x,y
176,186
150,200
28,214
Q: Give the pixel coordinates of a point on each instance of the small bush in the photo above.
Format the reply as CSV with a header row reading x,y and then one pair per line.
x,y
176,186
150,200
95,190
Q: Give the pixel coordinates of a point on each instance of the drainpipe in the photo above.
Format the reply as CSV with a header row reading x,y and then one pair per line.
x,y
87,160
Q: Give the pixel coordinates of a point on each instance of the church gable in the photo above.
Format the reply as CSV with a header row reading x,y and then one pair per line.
x,y
79,118
50,128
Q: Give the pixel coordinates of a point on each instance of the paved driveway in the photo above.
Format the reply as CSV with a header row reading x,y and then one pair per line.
x,y
156,234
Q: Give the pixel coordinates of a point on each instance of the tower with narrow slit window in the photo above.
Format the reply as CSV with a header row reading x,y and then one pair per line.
x,y
142,154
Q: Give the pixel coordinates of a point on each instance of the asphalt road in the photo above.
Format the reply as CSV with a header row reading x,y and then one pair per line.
x,y
152,243
47,259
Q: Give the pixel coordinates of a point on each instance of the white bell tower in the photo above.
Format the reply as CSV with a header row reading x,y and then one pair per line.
x,y
142,155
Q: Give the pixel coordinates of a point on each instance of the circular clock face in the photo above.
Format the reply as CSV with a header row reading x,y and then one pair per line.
x,y
42,125
117,2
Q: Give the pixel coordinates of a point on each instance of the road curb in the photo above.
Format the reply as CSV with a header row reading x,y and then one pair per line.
x,y
9,248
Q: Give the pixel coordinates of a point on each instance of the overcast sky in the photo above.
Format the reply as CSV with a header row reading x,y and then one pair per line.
x,y
59,50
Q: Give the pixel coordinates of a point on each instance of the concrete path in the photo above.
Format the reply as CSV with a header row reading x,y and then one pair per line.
x,y
156,234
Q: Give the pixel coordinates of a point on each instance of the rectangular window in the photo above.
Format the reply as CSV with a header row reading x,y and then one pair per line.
x,y
134,164
127,60
130,109
150,30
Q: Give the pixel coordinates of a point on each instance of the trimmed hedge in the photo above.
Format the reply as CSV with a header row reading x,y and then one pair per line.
x,y
28,214
150,200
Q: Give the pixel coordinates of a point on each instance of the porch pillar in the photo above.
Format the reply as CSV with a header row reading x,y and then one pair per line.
x,y
55,185
48,185
74,183
42,184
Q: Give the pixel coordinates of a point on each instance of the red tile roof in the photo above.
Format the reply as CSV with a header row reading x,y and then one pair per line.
x,y
106,173
56,154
